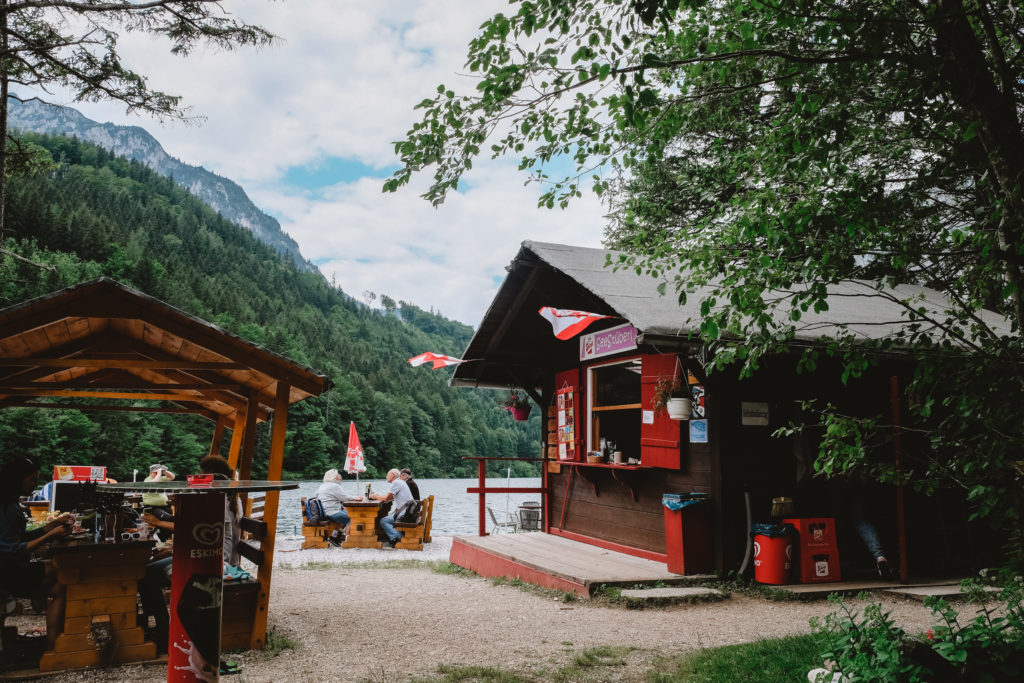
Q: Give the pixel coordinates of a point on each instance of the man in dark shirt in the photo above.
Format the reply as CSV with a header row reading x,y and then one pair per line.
x,y
414,488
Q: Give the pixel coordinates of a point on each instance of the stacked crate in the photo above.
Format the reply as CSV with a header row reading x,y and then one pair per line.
x,y
817,550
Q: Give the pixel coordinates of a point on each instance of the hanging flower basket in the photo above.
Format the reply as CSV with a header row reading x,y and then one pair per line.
x,y
679,408
520,414
518,404
672,396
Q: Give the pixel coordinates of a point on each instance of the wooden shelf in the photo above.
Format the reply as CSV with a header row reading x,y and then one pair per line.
x,y
626,475
577,463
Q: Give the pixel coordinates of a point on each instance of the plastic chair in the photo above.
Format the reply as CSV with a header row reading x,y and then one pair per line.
x,y
529,519
512,522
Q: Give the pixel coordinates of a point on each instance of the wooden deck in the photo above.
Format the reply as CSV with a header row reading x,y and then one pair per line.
x,y
555,562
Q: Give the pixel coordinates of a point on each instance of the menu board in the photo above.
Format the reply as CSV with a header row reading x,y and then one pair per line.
x,y
565,402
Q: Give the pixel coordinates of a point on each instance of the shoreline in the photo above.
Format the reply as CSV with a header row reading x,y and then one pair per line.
x,y
289,554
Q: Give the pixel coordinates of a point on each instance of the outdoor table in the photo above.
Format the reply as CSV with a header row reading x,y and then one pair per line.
x,y
197,570
101,580
363,529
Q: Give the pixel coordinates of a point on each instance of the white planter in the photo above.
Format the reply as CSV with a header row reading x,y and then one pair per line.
x,y
678,408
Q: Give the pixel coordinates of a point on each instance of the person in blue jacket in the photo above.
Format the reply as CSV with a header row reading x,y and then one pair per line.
x,y
20,574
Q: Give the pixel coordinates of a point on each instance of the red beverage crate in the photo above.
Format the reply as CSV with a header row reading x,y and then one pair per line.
x,y
817,550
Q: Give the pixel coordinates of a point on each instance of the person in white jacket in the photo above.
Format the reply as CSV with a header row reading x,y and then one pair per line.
x,y
334,498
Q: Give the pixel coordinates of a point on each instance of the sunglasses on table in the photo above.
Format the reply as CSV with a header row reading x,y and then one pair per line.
x,y
131,535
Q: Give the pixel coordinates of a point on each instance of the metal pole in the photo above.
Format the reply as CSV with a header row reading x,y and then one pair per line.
x,y
897,448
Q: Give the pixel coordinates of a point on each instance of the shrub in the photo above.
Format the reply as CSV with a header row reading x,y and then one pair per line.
x,y
987,647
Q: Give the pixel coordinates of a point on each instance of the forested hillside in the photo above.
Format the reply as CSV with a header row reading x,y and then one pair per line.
x,y
93,214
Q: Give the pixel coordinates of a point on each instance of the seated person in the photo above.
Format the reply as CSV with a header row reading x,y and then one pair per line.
x,y
334,498
19,575
414,488
158,570
157,504
399,494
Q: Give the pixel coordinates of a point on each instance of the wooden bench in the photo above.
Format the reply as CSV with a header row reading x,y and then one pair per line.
x,y
428,517
239,606
316,535
415,532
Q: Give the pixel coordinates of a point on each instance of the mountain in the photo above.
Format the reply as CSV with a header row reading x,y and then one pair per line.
x,y
95,214
222,195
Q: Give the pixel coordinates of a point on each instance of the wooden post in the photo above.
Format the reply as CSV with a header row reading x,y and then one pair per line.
x,y
274,468
249,437
481,466
236,439
218,436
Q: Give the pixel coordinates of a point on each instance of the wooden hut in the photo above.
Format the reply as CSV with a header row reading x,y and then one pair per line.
x,y
103,341
600,385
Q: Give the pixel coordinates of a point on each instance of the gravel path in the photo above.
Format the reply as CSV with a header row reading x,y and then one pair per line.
x,y
346,618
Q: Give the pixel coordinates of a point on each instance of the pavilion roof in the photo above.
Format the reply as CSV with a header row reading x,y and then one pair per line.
x,y
98,341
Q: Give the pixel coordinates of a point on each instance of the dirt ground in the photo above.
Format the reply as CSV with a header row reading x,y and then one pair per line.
x,y
364,623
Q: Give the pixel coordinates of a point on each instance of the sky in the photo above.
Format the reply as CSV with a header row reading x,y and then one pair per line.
x,y
306,128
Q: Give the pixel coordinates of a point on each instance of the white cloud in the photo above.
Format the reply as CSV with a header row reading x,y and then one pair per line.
x,y
343,83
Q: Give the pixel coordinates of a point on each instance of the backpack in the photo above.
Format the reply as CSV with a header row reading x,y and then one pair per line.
x,y
315,511
410,512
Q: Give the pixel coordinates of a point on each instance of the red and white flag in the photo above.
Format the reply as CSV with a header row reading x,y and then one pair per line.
x,y
567,324
435,359
354,459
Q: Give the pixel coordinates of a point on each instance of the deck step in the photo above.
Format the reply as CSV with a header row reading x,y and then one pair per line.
x,y
670,595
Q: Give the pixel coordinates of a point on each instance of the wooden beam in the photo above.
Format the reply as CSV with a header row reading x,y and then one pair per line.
x,y
218,435
230,398
236,438
126,395
274,468
248,439
128,409
34,362
123,384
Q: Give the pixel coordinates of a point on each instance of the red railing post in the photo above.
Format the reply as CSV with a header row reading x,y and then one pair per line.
x,y
482,474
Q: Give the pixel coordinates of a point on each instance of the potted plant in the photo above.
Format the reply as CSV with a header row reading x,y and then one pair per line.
x,y
518,404
671,396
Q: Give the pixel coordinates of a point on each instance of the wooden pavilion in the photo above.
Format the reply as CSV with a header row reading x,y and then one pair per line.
x,y
103,341
599,387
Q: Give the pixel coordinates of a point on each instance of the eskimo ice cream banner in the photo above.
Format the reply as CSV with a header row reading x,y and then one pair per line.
x,y
607,342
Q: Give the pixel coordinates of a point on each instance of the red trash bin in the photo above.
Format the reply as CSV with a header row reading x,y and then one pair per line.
x,y
773,556
688,541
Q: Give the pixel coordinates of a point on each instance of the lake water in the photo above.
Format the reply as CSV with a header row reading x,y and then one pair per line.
x,y
455,511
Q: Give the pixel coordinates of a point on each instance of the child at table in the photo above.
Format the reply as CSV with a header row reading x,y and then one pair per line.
x,y
19,574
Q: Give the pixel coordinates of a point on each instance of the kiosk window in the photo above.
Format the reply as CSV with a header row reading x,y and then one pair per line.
x,y
615,406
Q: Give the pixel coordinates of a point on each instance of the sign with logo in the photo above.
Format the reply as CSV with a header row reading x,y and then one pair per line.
x,y
79,473
196,589
607,342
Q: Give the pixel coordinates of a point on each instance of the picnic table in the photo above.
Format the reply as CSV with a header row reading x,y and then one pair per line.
x,y
363,529
100,623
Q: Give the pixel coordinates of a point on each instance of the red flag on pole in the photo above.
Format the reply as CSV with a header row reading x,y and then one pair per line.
x,y
567,324
436,360
354,459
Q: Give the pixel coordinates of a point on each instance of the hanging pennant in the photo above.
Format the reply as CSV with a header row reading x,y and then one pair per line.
x,y
436,360
567,324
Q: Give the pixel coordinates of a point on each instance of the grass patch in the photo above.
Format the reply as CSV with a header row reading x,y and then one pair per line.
x,y
444,567
278,642
478,674
595,662
764,661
